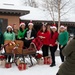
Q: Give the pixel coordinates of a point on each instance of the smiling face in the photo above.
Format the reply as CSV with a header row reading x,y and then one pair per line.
x,y
23,26
44,28
9,29
62,29
54,29
30,27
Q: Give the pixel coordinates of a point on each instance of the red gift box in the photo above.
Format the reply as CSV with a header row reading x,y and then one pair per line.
x,y
22,66
2,57
49,61
8,65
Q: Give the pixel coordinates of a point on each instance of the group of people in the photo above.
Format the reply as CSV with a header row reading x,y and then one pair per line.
x,y
48,35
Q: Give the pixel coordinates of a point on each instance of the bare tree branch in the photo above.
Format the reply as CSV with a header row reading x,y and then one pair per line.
x,y
64,4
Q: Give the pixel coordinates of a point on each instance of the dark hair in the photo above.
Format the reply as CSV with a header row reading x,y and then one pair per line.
x,y
42,28
9,31
21,29
52,33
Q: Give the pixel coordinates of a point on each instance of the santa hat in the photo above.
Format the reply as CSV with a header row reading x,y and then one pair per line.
x,y
30,23
22,24
9,27
54,26
62,26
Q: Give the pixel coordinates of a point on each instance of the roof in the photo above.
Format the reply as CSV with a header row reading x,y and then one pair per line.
x,y
11,8
37,14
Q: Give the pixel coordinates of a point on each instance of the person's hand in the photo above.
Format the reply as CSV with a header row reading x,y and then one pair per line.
x,y
51,45
41,37
61,46
56,42
29,39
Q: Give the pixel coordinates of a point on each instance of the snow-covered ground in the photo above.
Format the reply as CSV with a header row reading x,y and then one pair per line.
x,y
35,70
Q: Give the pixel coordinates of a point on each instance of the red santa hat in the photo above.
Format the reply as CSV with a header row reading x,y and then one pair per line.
x,y
30,23
54,26
22,24
9,26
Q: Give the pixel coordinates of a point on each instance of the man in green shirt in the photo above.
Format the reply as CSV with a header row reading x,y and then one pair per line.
x,y
63,39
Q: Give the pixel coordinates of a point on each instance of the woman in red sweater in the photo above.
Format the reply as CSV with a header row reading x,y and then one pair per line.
x,y
53,44
44,35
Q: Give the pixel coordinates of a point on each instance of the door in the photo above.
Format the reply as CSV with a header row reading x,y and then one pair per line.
x,y
3,25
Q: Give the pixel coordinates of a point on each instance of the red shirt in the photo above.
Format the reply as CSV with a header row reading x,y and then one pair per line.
x,y
46,35
53,39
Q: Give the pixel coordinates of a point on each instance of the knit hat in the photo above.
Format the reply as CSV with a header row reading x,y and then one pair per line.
x,y
9,27
30,23
22,24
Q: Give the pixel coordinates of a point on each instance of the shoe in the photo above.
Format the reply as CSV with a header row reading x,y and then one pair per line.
x,y
52,65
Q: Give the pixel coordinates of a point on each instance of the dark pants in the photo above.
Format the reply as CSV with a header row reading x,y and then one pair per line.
x,y
27,43
53,50
61,55
45,50
9,58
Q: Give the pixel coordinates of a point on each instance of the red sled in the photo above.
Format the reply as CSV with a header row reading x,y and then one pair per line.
x,y
22,66
8,65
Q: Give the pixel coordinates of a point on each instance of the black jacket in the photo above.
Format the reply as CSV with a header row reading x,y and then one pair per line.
x,y
33,33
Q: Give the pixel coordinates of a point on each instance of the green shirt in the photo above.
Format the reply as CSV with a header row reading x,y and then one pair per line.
x,y
9,36
63,38
21,34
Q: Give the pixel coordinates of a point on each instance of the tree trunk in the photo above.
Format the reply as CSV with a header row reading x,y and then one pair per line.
x,y
58,15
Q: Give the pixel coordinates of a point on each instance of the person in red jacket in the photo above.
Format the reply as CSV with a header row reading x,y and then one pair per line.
x,y
53,44
44,35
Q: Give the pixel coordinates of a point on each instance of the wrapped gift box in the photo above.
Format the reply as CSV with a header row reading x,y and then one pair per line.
x,y
22,66
8,65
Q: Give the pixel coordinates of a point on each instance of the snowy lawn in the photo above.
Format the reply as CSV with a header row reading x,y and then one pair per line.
x,y
35,70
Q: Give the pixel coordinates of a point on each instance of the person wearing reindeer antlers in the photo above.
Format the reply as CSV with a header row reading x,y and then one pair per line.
x,y
53,43
44,35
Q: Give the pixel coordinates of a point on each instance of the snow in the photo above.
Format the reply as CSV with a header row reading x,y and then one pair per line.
x,y
35,70
37,14
14,7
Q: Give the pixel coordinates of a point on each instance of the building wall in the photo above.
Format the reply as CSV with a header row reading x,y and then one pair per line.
x,y
12,20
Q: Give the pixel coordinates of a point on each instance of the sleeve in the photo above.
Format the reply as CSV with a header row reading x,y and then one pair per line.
x,y
57,36
18,35
25,35
13,36
33,34
69,48
66,38
4,35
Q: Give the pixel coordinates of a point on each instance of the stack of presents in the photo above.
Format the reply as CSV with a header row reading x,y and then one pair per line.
x,y
14,51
